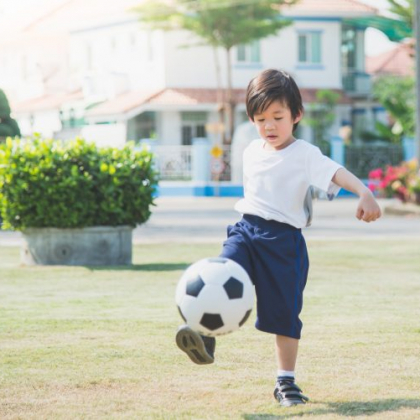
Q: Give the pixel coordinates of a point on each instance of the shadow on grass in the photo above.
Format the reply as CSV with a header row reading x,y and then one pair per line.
x,y
141,267
345,409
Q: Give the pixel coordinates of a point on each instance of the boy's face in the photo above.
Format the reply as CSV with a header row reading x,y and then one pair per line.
x,y
275,125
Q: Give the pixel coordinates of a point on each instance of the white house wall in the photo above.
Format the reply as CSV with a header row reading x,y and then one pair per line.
x,y
33,68
187,64
195,67
329,74
112,59
45,122
169,132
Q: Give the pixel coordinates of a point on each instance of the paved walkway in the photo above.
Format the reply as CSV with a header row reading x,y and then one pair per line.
x,y
202,219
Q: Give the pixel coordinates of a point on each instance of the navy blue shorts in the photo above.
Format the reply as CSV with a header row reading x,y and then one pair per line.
x,y
275,256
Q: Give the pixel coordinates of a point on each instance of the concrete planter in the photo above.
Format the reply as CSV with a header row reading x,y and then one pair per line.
x,y
101,245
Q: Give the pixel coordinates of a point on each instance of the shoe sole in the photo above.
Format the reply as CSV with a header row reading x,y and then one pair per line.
x,y
192,344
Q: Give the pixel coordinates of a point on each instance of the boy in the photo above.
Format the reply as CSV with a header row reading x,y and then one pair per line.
x,y
279,172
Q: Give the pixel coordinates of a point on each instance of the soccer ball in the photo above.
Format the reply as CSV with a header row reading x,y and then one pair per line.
x,y
215,296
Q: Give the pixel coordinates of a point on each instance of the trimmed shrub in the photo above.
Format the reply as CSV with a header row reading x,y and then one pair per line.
x,y
48,183
8,126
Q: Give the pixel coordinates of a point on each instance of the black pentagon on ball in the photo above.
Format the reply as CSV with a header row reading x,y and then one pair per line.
x,y
211,321
234,288
194,286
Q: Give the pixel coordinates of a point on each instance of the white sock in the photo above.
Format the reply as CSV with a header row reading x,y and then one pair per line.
x,y
288,373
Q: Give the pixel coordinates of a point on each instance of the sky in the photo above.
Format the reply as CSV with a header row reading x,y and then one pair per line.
x,y
376,42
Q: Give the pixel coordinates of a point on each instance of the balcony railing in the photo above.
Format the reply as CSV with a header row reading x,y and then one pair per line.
x,y
357,82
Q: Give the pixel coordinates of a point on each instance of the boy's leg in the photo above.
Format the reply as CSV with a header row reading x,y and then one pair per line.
x,y
286,352
200,349
286,392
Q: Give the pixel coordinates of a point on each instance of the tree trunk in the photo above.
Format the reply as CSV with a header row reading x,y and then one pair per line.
x,y
229,100
220,97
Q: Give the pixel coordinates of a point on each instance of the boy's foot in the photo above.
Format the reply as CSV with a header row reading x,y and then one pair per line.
x,y
287,393
199,349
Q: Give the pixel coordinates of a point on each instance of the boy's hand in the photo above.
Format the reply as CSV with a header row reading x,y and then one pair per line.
x,y
368,209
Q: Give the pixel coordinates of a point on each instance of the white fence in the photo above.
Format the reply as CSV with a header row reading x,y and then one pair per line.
x,y
175,163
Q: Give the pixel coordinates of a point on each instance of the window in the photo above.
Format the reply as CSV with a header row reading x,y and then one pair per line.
x,y
249,53
142,126
348,47
309,47
193,125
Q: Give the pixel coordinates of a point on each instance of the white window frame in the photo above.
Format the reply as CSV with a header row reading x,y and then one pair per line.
x,y
313,47
249,53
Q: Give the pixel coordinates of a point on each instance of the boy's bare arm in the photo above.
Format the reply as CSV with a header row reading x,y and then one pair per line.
x,y
368,209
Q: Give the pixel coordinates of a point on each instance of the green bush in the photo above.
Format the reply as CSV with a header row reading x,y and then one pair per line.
x,y
48,183
8,126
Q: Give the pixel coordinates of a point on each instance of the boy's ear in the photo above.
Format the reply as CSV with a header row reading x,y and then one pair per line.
x,y
298,118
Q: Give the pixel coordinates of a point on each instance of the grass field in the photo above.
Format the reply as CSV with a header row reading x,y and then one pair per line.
x,y
82,343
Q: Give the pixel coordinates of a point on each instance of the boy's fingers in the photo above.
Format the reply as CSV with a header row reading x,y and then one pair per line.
x,y
370,216
359,213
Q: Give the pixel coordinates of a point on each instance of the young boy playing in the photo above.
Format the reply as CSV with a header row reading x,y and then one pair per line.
x,y
278,172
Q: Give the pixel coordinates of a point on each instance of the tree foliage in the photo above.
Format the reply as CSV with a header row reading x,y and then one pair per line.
x,y
220,23
404,9
8,126
397,96
322,117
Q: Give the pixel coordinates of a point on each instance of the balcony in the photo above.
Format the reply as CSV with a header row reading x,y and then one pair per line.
x,y
357,83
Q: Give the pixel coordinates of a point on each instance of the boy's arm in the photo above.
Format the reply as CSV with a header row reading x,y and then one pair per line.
x,y
368,209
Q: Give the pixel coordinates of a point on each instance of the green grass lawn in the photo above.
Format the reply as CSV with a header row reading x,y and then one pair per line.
x,y
83,343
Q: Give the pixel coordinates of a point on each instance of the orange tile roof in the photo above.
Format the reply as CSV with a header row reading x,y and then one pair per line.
x,y
330,6
129,101
182,96
399,62
46,102
122,103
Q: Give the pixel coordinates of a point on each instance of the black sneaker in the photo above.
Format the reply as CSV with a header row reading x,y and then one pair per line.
x,y
287,393
200,349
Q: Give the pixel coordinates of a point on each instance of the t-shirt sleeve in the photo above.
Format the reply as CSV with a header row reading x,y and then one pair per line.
x,y
320,170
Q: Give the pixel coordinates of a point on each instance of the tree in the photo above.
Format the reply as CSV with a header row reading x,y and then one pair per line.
x,y
322,117
397,96
220,24
8,126
404,9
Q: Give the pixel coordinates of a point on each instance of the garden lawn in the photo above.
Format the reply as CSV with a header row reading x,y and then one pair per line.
x,y
98,343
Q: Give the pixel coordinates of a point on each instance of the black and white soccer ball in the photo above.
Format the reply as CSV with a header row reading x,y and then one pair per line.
x,y
215,296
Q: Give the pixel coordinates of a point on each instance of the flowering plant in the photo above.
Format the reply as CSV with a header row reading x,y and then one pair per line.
x,y
402,182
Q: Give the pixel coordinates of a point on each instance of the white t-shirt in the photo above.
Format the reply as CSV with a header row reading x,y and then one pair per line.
x,y
277,184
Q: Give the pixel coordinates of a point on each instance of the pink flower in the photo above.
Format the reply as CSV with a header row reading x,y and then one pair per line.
x,y
383,184
376,174
372,186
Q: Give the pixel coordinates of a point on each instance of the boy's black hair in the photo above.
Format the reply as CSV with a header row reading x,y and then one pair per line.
x,y
273,85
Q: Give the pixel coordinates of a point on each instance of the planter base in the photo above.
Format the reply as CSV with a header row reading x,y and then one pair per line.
x,y
94,246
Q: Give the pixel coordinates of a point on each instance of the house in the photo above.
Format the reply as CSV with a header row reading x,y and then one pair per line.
x,y
398,61
79,67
